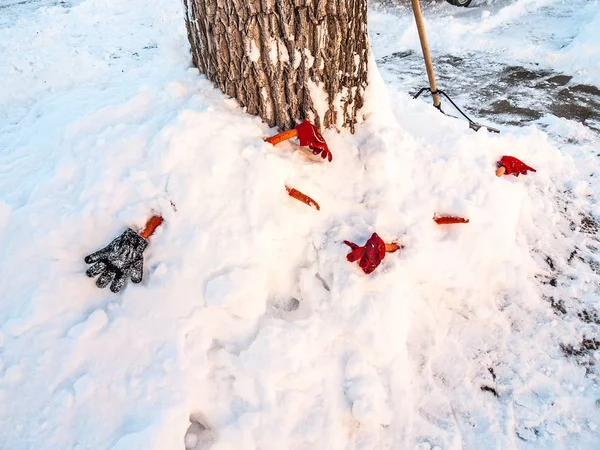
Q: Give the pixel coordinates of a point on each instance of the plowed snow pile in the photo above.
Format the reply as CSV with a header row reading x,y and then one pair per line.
x,y
249,318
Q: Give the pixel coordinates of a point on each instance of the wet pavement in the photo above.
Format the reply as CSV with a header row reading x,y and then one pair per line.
x,y
490,59
497,92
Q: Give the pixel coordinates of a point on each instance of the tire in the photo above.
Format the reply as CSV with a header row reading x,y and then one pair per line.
x,y
459,2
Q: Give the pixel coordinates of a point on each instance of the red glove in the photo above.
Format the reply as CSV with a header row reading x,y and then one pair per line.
x,y
309,136
514,166
370,255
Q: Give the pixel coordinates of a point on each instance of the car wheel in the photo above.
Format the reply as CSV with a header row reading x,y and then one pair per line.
x,y
459,2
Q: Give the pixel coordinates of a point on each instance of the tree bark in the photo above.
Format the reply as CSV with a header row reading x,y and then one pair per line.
x,y
284,60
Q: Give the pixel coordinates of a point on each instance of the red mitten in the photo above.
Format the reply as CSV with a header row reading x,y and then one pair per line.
x,y
309,136
514,166
370,255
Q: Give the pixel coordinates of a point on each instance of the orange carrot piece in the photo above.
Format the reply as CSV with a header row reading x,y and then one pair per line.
x,y
302,197
283,136
444,220
151,225
391,248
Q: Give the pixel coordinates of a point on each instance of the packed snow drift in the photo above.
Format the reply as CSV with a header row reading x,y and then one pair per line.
x,y
250,328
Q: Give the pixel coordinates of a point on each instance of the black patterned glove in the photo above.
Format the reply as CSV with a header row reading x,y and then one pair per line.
x,y
121,259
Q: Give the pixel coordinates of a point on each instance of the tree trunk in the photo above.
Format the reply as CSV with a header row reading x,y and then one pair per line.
x,y
284,60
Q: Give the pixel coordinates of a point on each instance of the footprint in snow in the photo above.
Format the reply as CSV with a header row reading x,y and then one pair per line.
x,y
198,436
366,393
95,322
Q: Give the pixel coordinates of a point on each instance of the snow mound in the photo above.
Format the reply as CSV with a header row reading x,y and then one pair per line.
x,y
250,329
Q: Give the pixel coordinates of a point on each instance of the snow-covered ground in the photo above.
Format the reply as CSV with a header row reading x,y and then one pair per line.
x,y
249,319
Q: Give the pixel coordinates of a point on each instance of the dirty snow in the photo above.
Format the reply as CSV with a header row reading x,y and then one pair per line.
x,y
249,321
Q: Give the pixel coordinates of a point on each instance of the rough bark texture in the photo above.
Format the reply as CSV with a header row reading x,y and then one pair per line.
x,y
284,60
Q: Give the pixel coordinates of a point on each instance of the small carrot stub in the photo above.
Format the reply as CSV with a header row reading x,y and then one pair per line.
x,y
152,224
391,248
445,220
283,136
302,197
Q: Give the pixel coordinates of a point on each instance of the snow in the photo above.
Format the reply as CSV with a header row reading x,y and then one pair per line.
x,y
253,51
249,320
284,56
582,54
310,59
553,34
319,98
273,52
